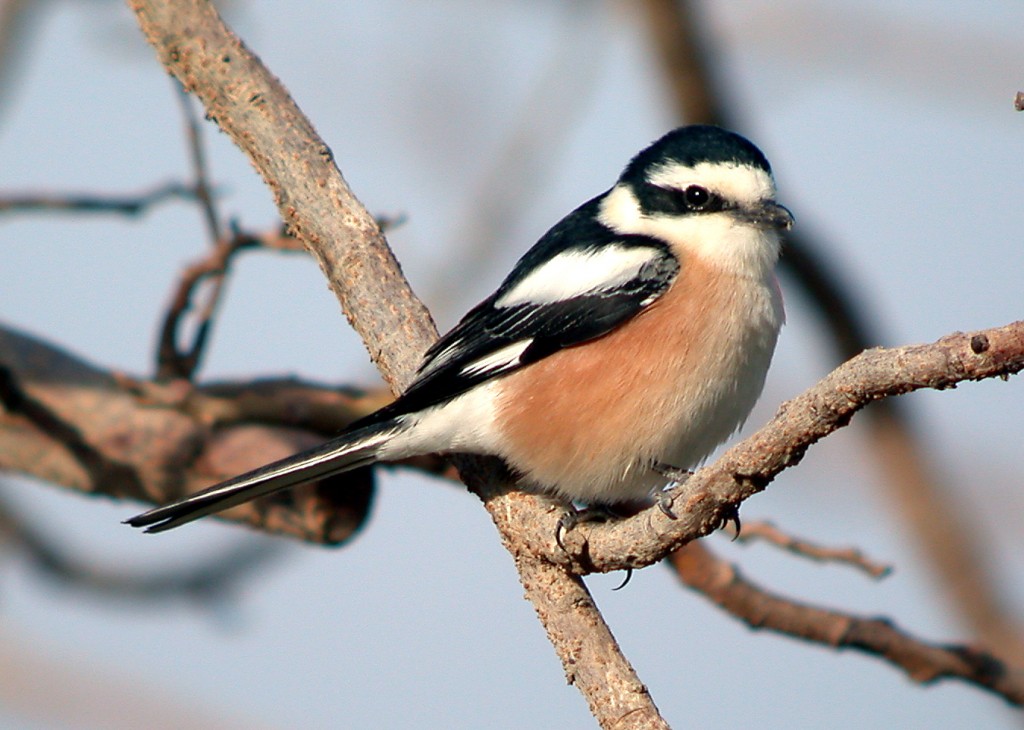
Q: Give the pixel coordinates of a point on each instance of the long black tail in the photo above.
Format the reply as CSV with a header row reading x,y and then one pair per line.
x,y
346,452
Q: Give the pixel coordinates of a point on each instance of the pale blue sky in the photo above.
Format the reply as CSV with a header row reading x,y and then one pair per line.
x,y
891,131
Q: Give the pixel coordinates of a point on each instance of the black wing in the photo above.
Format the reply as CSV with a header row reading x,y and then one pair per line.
x,y
506,331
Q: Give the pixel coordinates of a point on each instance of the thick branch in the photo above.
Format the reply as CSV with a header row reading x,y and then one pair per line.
x,y
707,498
255,110
70,423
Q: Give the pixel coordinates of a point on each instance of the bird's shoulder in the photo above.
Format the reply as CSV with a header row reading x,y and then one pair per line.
x,y
578,282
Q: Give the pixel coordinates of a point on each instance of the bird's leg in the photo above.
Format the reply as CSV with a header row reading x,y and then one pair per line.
x,y
675,475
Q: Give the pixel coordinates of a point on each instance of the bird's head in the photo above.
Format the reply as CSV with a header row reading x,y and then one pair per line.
x,y
705,192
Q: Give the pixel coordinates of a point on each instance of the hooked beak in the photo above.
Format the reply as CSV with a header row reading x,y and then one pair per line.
x,y
768,214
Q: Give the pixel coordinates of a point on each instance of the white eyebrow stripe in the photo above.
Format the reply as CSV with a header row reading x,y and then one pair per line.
x,y
739,183
577,273
714,238
498,360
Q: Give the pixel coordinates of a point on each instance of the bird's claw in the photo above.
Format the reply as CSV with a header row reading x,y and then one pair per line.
x,y
676,476
566,522
731,513
625,581
571,519
664,503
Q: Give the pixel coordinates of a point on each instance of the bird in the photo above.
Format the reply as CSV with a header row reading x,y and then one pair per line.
x,y
630,341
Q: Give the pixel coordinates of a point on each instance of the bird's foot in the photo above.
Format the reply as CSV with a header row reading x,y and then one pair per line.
x,y
675,475
597,513
732,514
569,520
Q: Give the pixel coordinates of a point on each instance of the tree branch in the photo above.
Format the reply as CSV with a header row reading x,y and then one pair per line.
x,y
171,362
919,493
851,556
253,108
925,663
713,493
67,422
89,203
249,104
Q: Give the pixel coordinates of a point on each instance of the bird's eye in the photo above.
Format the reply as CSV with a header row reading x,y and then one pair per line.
x,y
696,197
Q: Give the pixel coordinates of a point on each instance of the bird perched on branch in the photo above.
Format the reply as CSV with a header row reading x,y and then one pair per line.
x,y
629,342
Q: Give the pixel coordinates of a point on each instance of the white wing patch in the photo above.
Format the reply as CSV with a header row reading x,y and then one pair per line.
x,y
498,360
577,273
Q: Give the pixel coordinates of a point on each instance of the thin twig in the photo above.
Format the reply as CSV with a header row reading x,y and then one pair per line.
x,y
213,267
200,171
91,203
851,556
172,363
923,662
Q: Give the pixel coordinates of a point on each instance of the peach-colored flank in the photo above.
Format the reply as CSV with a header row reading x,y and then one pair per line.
x,y
646,393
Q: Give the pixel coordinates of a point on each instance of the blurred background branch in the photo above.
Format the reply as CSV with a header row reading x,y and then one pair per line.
x,y
722,583
473,136
210,585
94,203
